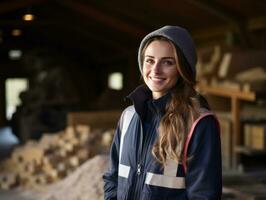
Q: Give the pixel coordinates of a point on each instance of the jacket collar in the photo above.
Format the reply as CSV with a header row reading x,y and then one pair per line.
x,y
158,105
139,98
142,97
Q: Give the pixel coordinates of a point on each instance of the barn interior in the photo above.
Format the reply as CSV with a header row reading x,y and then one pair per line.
x,y
66,67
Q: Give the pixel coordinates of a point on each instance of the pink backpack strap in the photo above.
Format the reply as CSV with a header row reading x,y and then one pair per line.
x,y
205,114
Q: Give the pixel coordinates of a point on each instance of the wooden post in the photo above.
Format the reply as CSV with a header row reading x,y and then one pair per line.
x,y
236,129
236,97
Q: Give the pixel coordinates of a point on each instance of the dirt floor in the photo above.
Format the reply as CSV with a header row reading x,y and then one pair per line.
x,y
16,194
82,185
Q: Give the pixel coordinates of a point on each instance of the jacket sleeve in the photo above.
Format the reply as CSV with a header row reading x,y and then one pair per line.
x,y
110,177
204,168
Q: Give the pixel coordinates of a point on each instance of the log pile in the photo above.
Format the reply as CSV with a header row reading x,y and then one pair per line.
x,y
53,157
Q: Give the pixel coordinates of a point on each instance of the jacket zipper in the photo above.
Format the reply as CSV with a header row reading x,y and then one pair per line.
x,y
141,158
136,182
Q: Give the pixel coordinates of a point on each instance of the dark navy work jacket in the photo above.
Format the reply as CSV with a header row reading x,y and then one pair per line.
x,y
134,174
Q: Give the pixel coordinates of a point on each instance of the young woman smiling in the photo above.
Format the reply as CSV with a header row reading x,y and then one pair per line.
x,y
167,144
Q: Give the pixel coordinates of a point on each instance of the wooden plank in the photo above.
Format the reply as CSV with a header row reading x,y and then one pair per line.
x,y
9,6
220,91
255,136
107,137
83,129
258,135
225,122
101,17
95,119
235,106
83,154
247,135
28,154
8,181
48,141
74,161
249,151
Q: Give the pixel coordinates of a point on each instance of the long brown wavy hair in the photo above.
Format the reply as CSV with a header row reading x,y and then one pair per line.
x,y
181,110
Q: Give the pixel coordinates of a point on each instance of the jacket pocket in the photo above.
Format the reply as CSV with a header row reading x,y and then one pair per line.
x,y
152,193
122,189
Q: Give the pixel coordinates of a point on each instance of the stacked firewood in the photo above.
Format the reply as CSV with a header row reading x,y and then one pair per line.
x,y
53,157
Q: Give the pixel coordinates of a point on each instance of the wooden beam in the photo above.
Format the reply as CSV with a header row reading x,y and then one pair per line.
x,y
257,23
110,21
253,24
132,12
217,10
238,21
8,6
83,31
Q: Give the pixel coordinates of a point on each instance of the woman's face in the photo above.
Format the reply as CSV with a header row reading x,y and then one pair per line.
x,y
160,67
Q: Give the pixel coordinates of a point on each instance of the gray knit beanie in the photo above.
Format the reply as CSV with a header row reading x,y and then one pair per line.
x,y
180,38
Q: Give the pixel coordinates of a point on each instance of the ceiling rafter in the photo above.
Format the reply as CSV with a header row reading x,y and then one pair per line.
x,y
8,6
237,21
96,14
58,23
253,24
133,13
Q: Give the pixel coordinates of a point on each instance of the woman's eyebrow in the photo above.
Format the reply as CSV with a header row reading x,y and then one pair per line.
x,y
161,58
168,58
149,56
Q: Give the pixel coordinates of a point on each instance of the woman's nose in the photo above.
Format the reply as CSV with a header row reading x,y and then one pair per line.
x,y
156,67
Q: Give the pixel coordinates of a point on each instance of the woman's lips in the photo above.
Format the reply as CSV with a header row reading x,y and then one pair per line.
x,y
155,78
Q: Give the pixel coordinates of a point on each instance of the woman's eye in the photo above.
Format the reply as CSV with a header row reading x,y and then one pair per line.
x,y
168,62
150,61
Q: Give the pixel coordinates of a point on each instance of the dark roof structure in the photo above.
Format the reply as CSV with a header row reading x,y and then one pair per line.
x,y
110,30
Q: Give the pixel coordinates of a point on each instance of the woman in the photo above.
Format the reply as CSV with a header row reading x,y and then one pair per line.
x,y
167,145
